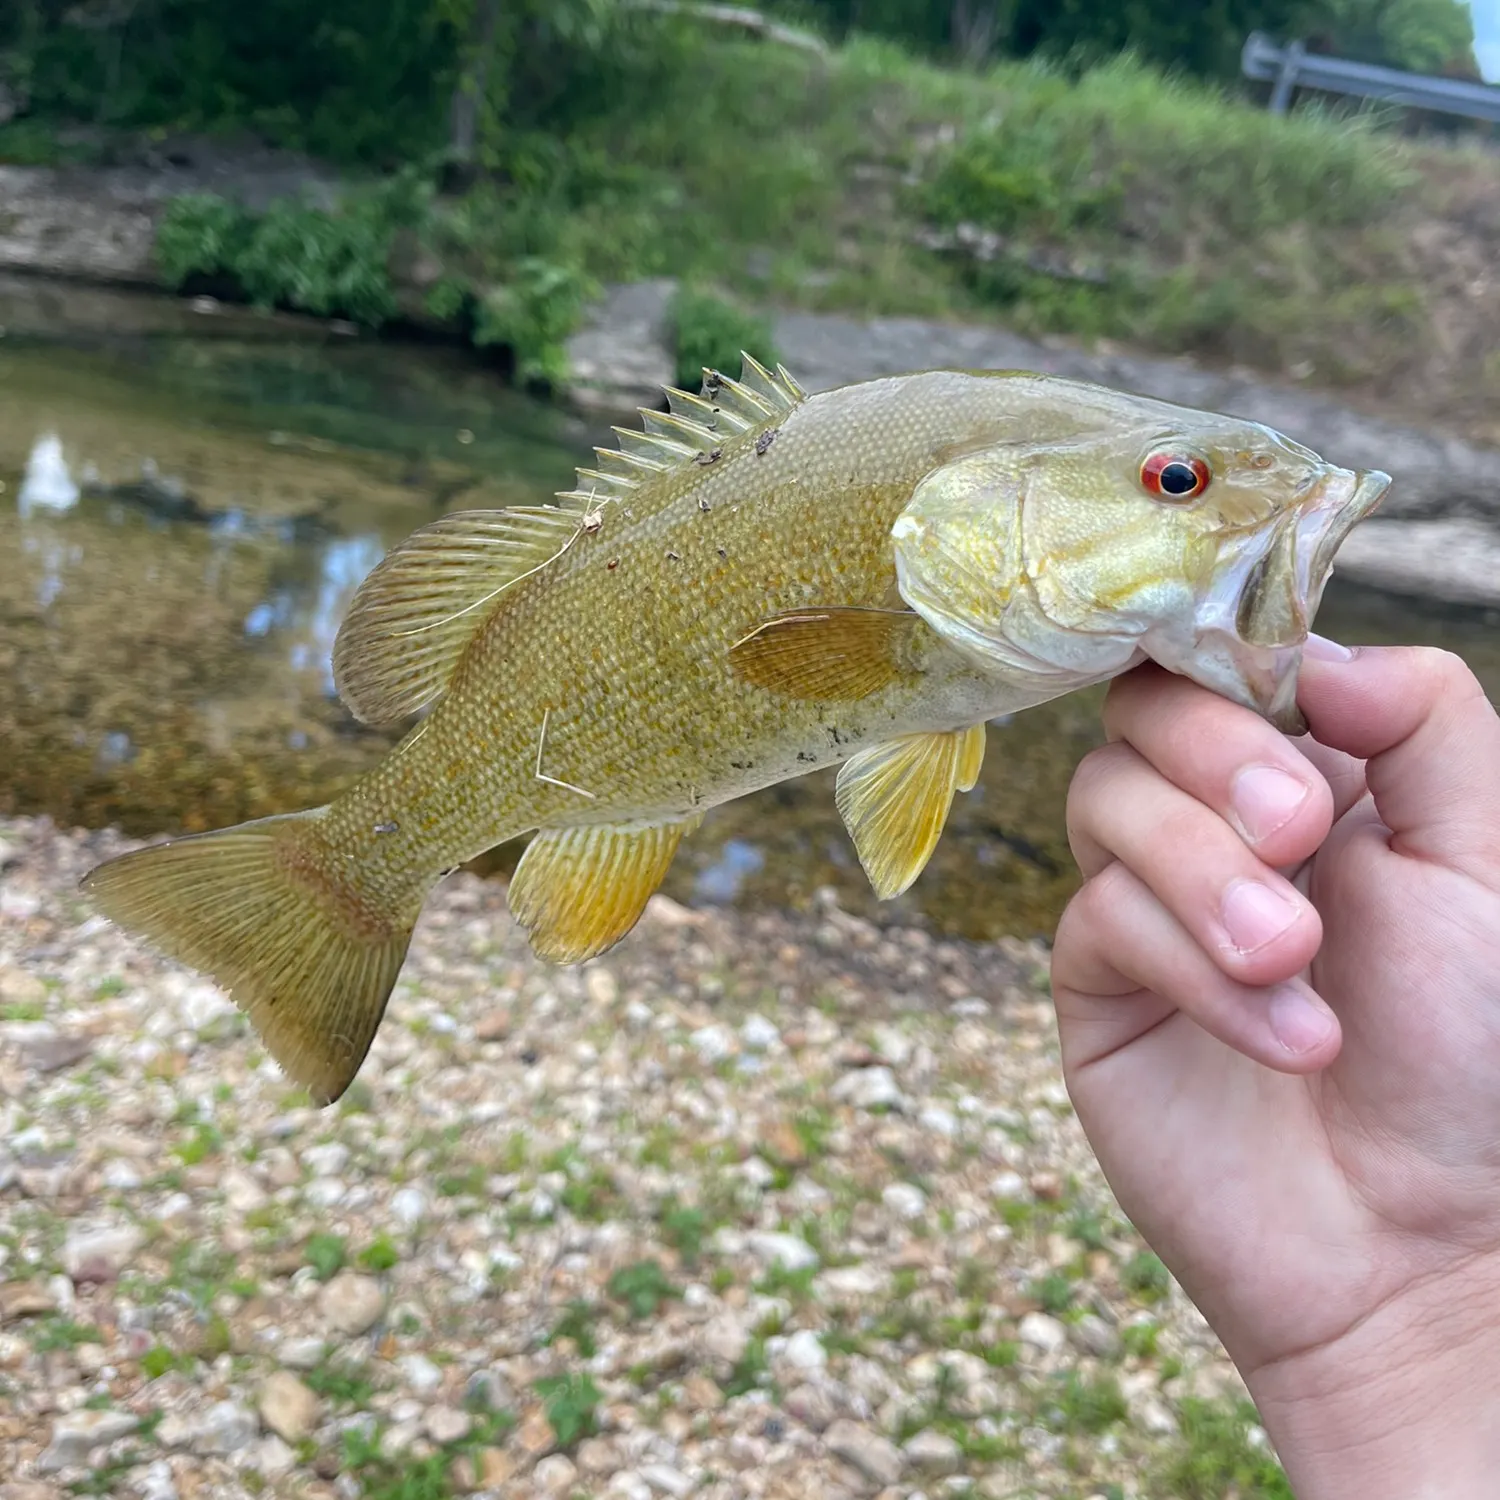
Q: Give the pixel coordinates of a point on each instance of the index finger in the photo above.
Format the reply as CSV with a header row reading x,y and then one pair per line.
x,y
1227,757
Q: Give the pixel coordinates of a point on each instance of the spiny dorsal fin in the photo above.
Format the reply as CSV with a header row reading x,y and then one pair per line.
x,y
691,425
421,605
578,891
894,800
838,653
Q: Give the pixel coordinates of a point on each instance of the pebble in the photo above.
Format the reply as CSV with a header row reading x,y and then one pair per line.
x,y
868,1088
555,1474
351,1303
301,1353
758,1033
1007,1185
420,1373
785,1250
804,1349
713,1044
904,1199
812,1405
226,1427
933,1453
100,1254
1042,1332
663,1479
447,1424
76,1435
409,1205
877,1458
287,1407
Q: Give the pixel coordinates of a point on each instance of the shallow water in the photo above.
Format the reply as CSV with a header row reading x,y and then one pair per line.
x,y
188,505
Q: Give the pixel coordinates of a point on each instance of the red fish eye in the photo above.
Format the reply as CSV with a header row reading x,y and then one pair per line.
x,y
1175,477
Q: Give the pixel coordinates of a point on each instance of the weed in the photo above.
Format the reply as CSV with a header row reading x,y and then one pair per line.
x,y
1054,1291
1087,1405
642,1287
571,1403
379,1255
684,1229
342,1381
710,332
1216,1458
749,1371
158,1359
577,1323
58,1332
1145,1276
326,1254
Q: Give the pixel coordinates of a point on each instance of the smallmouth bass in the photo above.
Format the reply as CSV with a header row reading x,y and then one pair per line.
x,y
757,584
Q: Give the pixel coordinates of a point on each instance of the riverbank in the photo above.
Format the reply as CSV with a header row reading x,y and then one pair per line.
x,y
765,1206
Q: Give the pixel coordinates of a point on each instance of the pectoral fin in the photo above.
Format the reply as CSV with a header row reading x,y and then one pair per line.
x,y
837,654
894,800
578,891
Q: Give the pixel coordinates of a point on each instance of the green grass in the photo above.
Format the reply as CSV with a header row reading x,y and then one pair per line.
x,y
1216,1458
571,1403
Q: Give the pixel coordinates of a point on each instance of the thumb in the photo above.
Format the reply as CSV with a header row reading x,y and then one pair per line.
x,y
1430,738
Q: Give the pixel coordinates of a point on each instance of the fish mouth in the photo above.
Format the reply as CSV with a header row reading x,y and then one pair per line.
x,y
1341,503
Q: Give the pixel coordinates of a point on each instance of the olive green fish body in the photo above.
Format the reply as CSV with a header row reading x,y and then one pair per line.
x,y
756,585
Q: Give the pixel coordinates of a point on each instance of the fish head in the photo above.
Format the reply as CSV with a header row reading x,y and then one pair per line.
x,y
1199,541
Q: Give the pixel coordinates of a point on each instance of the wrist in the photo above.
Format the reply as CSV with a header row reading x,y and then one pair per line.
x,y
1403,1405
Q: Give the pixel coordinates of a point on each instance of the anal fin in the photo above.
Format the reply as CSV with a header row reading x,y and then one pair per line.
x,y
838,653
577,891
894,799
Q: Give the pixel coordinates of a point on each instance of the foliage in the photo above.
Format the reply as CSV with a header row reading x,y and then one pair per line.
x,y
533,313
571,1402
712,333
642,1287
1216,1457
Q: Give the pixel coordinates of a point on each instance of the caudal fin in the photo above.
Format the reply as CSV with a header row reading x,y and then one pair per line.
x,y
255,907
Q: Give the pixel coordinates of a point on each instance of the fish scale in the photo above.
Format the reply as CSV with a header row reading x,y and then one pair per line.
x,y
756,584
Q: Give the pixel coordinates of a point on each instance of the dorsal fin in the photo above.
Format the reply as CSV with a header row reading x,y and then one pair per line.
x,y
421,605
691,425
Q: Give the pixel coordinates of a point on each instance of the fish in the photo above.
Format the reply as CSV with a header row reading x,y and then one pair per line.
x,y
756,584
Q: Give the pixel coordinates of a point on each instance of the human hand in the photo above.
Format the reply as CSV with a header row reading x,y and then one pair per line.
x,y
1278,994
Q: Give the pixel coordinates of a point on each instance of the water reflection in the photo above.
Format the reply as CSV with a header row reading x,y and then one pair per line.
x,y
47,484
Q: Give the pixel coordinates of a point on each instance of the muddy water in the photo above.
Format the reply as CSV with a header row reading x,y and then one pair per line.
x,y
188,506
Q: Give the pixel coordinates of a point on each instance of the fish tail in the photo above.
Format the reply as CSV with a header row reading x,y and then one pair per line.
x,y
263,909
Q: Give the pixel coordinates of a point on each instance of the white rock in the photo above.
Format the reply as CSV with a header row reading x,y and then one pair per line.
x,y
713,1043
757,1172
878,1459
868,1088
555,1474
76,1435
854,1281
759,1034
1008,1185
301,1354
893,1045
242,1192
1042,1332
805,1350
100,1254
904,1199
121,1176
938,1120
725,1339
785,1250
420,1373
665,1480
601,986
327,1160
226,1427
203,1004
628,1485
409,1205
155,1481
324,1192
934,1453
351,1303
271,1458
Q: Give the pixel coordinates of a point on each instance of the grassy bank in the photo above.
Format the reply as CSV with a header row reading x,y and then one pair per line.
x,y
1119,205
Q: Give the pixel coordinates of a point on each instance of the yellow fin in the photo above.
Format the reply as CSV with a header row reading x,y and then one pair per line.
x,y
841,653
970,759
894,800
255,908
691,425
421,605
578,891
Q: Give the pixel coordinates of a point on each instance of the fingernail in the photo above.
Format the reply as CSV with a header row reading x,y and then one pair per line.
x,y
1264,798
1254,915
1320,648
1300,1020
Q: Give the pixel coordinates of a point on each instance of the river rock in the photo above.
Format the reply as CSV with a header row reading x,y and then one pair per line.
x,y
100,1254
933,1453
351,1303
287,1407
878,1459
76,1435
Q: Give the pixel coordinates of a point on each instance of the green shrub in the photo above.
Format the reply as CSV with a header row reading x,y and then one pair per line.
x,y
710,333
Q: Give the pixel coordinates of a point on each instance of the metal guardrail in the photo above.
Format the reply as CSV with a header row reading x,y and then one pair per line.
x,y
1292,66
